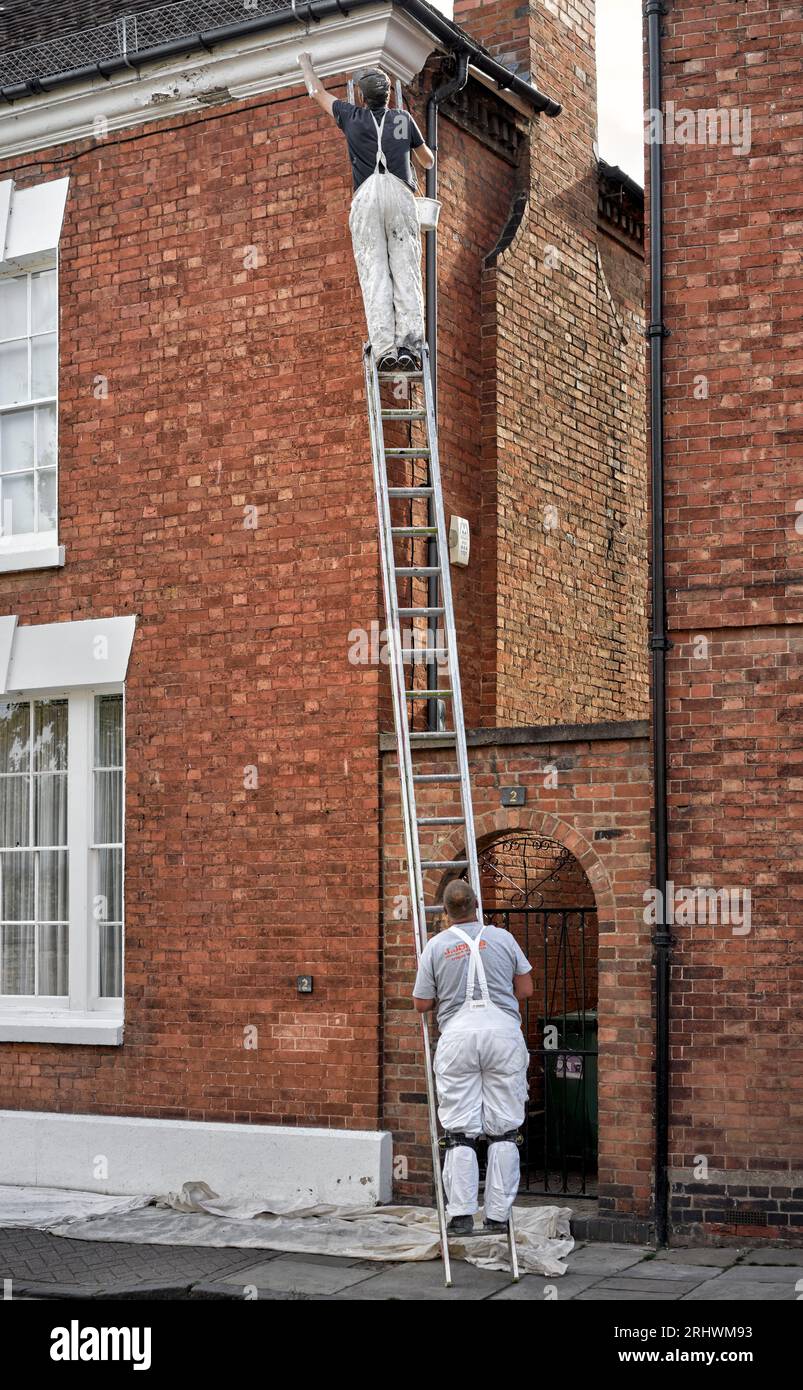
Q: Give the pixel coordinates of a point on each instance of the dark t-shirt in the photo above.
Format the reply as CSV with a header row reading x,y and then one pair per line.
x,y
400,135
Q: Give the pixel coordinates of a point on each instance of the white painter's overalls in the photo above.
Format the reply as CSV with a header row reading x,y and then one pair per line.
x,y
387,248
481,1075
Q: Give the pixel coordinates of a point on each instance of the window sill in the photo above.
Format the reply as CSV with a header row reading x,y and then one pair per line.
x,y
79,1029
51,557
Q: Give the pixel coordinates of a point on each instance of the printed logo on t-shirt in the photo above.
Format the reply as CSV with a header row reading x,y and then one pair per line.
x,y
462,949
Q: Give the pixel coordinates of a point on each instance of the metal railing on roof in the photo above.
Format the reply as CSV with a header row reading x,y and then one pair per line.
x,y
129,35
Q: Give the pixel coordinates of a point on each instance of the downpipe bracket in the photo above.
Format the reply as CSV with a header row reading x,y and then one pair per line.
x,y
311,16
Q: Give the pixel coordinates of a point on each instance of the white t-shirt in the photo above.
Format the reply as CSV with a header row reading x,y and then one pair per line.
x,y
443,970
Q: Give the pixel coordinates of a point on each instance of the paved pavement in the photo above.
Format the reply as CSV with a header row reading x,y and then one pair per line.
x,y
34,1265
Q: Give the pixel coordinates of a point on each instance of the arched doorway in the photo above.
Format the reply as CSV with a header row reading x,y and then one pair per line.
x,y
535,888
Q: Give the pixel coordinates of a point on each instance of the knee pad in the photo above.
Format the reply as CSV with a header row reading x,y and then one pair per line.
x,y
511,1136
455,1139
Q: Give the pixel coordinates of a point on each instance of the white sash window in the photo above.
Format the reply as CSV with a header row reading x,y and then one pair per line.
x,y
30,228
28,411
61,858
62,830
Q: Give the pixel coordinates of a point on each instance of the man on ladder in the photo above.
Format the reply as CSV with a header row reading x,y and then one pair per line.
x,y
383,220
481,1058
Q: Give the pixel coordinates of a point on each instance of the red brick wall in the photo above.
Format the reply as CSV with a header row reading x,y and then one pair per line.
x,y
734,483
235,386
476,187
599,810
502,26
564,442
228,388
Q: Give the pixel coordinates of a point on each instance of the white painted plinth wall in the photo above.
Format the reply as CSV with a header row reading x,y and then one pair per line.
x,y
346,1167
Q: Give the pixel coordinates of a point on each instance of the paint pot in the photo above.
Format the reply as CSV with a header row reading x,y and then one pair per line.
x,y
428,213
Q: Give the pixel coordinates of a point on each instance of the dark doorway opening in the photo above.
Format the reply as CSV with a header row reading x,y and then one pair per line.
x,y
536,889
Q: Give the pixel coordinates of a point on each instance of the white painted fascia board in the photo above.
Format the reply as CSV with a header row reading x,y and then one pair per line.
x,y
503,93
91,652
237,69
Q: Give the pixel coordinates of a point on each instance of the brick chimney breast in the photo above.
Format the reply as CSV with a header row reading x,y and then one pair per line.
x,y
503,26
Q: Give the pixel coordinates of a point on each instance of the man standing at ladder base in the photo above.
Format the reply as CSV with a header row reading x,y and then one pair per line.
x,y
481,1058
383,220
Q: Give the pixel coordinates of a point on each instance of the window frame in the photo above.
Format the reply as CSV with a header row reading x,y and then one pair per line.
x,y
83,1015
26,550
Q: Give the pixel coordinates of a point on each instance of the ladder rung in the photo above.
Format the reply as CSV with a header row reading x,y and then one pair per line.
x,y
444,863
437,908
406,453
414,530
441,820
432,734
391,376
418,612
413,571
414,413
429,694
410,491
436,777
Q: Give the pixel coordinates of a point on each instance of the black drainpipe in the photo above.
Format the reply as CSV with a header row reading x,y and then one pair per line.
x,y
440,94
659,644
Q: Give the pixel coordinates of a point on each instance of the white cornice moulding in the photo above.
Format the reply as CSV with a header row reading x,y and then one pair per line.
x,y
237,69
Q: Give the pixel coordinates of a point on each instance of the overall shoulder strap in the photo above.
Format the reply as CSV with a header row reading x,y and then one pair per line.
x,y
380,153
476,969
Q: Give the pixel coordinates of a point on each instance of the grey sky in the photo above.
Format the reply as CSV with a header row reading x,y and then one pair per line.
x,y
619,85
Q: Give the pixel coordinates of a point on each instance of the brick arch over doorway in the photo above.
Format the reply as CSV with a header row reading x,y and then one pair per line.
x,y
496,825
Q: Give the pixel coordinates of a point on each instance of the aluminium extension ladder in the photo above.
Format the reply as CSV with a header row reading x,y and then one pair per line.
x,y
394,494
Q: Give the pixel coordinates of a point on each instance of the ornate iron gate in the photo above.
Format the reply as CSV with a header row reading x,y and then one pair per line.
x,y
560,1025
530,880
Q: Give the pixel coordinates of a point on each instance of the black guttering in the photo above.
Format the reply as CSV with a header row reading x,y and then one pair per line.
x,y
656,332
312,11
456,38
614,174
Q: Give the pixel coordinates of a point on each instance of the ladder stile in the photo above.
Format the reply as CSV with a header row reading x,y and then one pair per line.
x,y
394,643
511,1242
417,905
446,742
445,581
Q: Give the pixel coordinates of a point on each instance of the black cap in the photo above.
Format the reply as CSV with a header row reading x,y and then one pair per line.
x,y
374,85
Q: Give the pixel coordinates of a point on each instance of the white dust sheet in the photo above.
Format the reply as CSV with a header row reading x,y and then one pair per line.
x,y
197,1216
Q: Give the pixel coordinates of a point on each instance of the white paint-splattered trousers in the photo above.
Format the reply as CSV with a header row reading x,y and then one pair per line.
x,y
387,249
481,1077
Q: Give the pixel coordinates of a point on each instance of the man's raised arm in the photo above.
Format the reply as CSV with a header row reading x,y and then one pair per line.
x,y
313,83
